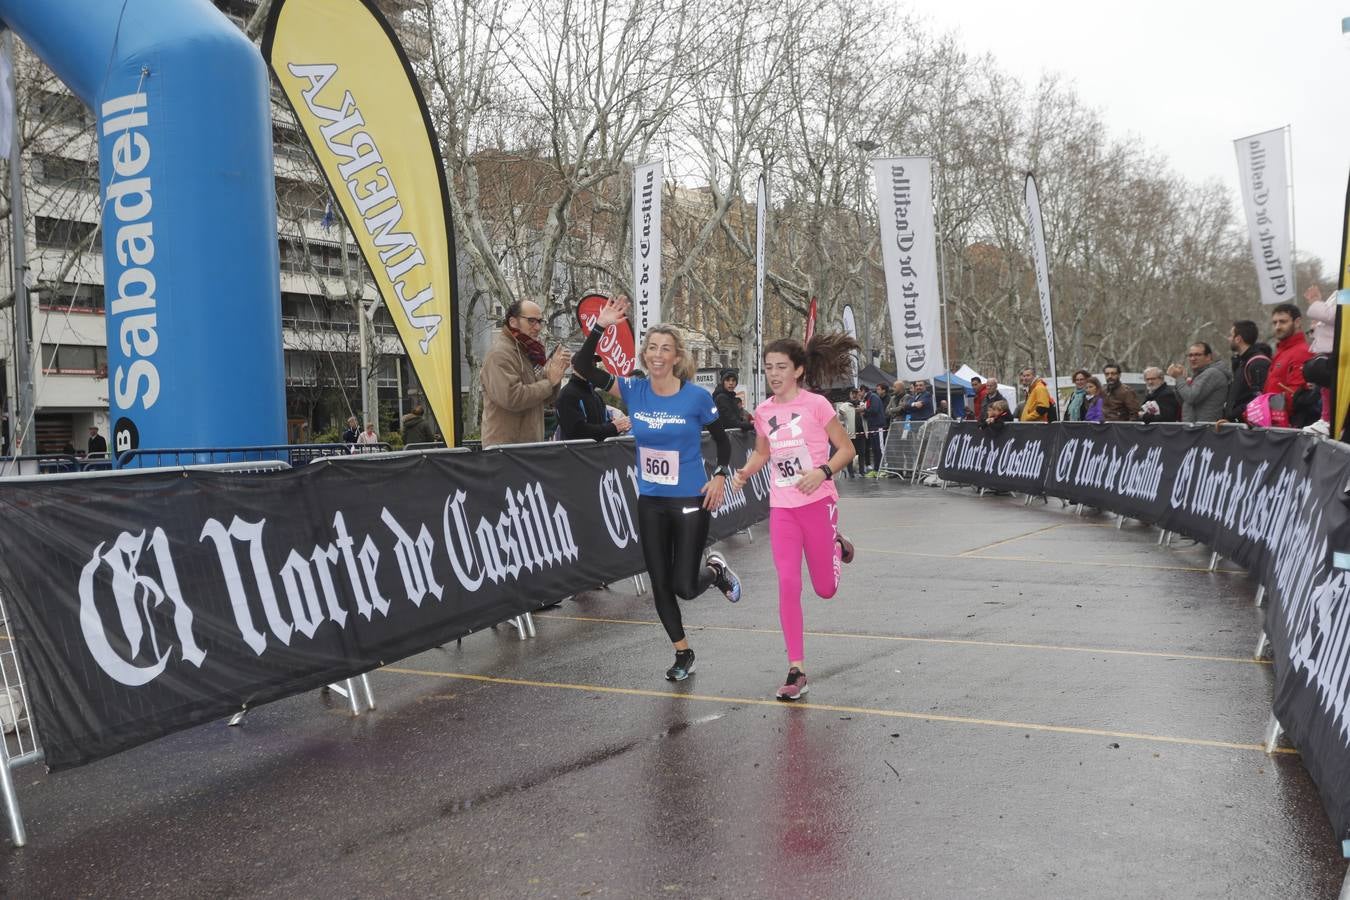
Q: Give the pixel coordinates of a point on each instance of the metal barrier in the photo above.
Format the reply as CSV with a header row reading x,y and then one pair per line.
x,y
934,438
903,451
52,464
18,737
292,454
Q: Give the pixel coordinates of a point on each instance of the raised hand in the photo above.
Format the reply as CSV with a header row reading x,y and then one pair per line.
x,y
614,310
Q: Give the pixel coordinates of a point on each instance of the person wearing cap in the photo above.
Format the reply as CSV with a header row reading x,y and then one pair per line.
x,y
730,414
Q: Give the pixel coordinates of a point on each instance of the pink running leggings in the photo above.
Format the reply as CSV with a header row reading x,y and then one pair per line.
x,y
794,530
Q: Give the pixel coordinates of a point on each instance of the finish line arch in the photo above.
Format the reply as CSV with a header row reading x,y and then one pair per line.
x,y
190,254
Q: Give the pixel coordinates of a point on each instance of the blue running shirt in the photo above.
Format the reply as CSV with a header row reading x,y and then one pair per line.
x,y
669,436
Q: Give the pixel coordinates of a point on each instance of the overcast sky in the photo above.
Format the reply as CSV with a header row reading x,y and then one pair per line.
x,y
1190,76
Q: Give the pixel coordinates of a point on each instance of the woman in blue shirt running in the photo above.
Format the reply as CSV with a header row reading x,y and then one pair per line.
x,y
668,413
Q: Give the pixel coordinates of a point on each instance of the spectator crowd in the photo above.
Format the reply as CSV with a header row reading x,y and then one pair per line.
x,y
1285,382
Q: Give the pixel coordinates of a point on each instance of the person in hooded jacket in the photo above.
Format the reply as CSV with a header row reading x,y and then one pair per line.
x,y
582,414
1203,394
416,429
730,413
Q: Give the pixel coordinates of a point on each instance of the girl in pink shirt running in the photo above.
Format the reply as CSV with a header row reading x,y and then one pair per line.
x,y
794,430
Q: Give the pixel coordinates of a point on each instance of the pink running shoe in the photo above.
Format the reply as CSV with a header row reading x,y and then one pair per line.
x,y
795,686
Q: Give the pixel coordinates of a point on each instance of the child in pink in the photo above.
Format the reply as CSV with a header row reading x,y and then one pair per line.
x,y
794,429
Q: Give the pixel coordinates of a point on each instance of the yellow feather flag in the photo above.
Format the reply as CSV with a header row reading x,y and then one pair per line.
x,y
357,101
1340,394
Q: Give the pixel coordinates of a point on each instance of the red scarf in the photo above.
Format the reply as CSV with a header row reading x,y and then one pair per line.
x,y
533,349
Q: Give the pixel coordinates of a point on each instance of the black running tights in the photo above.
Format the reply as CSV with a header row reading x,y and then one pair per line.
x,y
674,534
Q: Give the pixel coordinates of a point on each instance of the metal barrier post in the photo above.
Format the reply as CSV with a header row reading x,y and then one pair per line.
x,y
14,710
11,798
368,691
1262,643
1260,595
1214,561
1273,731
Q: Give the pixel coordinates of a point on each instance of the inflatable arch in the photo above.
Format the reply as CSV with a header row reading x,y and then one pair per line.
x,y
190,258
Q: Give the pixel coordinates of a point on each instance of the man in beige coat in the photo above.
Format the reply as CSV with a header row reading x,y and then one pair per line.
x,y
518,381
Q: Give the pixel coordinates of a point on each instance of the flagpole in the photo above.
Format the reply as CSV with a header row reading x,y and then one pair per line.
x,y
761,225
1293,251
942,282
21,434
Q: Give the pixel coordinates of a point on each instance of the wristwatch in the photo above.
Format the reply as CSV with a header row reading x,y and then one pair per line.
x,y
829,473
724,471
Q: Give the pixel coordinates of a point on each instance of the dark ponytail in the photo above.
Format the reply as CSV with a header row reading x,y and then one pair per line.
x,y
825,359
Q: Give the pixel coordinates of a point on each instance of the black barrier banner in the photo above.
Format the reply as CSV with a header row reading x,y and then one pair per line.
x,y
144,603
1002,459
1274,502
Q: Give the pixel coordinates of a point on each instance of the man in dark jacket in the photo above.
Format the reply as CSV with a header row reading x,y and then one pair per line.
x,y
920,405
416,429
1160,402
582,414
1251,364
874,416
729,412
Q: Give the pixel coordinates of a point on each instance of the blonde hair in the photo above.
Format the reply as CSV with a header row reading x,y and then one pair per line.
x,y
684,366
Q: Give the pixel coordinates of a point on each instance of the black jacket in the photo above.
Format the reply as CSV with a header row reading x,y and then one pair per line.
x,y
1169,407
1249,379
729,413
581,412
417,430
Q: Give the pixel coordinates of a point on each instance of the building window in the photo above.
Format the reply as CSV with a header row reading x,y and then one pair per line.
x,y
323,259
63,234
74,359
62,109
288,142
83,298
68,173
298,200
301,369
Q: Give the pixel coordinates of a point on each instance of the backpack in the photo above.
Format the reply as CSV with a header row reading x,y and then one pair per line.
x,y
1247,371
1267,411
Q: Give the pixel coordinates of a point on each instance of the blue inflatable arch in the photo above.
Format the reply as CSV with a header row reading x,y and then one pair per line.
x,y
189,214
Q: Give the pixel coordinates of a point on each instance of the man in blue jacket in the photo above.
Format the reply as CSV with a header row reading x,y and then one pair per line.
x,y
920,407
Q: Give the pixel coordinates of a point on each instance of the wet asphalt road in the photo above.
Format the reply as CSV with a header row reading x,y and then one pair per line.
x,y
1005,702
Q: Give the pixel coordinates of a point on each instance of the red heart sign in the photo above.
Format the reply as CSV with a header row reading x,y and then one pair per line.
x,y
616,346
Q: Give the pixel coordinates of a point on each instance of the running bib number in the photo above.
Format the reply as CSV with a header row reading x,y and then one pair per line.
x,y
790,467
659,466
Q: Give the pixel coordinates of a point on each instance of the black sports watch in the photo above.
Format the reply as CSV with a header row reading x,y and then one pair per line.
x,y
829,473
724,471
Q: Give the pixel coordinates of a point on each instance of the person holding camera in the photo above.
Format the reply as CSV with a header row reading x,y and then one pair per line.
x,y
519,379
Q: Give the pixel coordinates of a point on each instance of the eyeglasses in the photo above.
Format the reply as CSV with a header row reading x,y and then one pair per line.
x,y
1195,354
532,320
